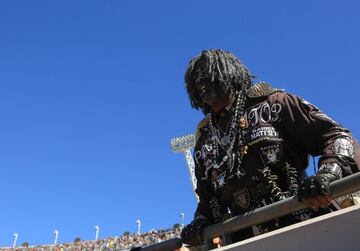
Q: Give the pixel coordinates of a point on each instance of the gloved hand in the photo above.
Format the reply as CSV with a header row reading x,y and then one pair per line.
x,y
314,191
192,234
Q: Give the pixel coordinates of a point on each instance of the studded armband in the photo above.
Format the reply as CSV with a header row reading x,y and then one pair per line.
x,y
331,168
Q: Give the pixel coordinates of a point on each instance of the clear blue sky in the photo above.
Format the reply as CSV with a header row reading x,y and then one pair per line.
x,y
91,92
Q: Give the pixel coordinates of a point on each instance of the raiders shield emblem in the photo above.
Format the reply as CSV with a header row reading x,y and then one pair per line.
x,y
242,197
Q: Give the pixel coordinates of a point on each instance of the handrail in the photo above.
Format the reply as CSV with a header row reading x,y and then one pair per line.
x,y
346,185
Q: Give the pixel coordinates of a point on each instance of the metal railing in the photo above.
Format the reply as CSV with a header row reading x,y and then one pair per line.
x,y
344,186
168,245
341,187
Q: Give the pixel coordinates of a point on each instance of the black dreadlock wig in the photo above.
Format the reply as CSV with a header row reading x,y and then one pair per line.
x,y
221,70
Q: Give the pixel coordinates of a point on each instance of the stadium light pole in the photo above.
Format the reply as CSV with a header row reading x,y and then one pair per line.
x,y
138,224
184,144
15,235
182,219
56,235
96,232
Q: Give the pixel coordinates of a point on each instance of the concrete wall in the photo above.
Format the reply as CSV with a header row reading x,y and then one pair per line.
x,y
337,231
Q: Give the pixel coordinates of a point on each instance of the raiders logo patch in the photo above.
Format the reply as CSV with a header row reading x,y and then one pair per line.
x,y
270,154
242,197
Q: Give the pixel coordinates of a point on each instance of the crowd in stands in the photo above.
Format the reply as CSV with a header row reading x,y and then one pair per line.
x,y
123,243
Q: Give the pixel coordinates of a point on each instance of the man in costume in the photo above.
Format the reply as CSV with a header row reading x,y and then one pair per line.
x,y
253,145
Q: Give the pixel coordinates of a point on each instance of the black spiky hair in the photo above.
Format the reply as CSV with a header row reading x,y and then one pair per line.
x,y
218,68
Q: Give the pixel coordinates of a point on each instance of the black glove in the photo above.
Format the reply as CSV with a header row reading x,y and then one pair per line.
x,y
192,234
313,186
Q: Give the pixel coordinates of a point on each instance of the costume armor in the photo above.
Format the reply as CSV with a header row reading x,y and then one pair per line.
x,y
254,151
280,131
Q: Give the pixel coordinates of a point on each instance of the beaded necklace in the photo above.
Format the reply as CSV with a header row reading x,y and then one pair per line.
x,y
227,142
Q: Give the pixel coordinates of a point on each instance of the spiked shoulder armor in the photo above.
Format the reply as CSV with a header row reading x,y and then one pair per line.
x,y
261,89
201,125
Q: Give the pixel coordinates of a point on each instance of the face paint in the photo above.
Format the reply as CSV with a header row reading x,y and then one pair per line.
x,y
212,95
206,93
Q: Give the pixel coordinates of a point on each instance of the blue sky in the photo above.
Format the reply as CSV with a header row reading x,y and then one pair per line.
x,y
91,92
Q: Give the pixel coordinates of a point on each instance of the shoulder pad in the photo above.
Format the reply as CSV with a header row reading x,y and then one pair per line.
x,y
202,124
261,89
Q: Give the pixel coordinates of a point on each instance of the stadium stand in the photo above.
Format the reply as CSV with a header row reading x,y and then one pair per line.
x,y
123,243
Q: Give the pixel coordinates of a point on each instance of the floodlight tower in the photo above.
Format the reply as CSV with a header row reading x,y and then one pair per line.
x,y
56,235
184,144
138,224
97,232
15,235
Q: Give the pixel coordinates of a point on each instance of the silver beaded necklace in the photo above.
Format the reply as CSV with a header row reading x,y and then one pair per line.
x,y
227,142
